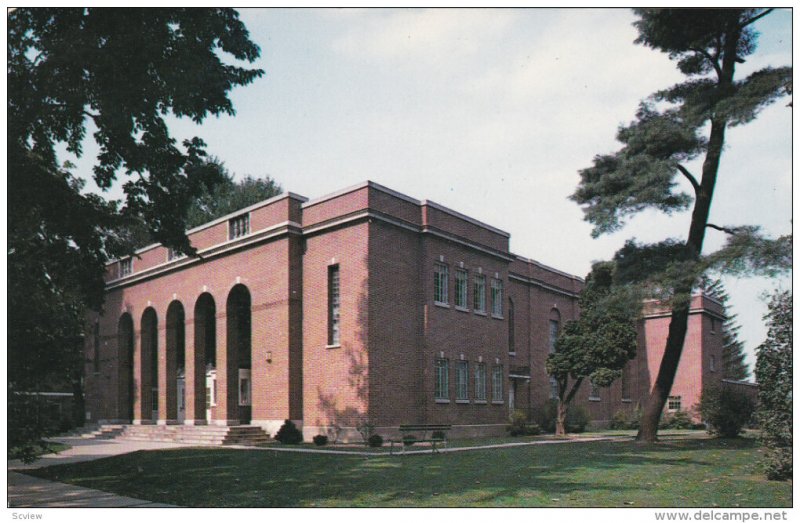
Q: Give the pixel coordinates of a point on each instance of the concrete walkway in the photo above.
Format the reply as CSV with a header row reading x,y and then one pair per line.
x,y
29,491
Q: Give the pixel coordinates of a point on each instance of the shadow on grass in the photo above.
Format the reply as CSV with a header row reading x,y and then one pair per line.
x,y
580,474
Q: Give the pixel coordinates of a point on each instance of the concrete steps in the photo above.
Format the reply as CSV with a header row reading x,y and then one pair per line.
x,y
196,434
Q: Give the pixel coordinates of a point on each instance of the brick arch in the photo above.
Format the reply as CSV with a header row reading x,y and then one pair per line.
x,y
145,407
125,347
201,357
173,358
238,311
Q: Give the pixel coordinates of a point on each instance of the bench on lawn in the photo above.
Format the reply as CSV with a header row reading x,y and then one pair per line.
x,y
419,433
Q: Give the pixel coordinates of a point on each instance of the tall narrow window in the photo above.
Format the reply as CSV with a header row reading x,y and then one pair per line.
x,y
440,279
125,267
594,392
333,305
479,293
497,298
553,388
625,384
462,380
497,383
461,289
511,334
239,226
713,364
480,381
442,381
96,362
553,336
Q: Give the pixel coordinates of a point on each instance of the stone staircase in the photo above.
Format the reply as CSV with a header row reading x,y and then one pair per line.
x,y
196,434
105,431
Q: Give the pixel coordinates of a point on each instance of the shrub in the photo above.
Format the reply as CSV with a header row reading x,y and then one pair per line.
x,y
375,440
680,419
289,434
725,410
626,420
320,440
576,421
409,439
366,429
519,425
438,434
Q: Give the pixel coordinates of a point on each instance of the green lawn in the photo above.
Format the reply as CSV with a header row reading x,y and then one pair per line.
x,y
675,473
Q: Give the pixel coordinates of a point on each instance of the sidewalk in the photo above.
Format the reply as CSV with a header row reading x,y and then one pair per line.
x,y
29,491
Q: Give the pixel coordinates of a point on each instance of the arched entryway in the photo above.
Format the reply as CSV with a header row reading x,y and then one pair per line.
x,y
203,395
239,382
149,363
173,407
125,367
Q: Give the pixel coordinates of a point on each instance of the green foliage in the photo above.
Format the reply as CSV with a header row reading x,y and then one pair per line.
x,y
680,419
366,429
774,376
409,440
625,419
725,410
734,366
289,434
518,425
320,440
375,440
123,70
576,420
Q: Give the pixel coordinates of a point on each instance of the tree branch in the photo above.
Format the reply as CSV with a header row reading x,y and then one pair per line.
x,y
710,58
572,392
728,230
688,175
761,15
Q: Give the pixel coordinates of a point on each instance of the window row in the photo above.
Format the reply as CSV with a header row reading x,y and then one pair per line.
x,y
462,383
441,290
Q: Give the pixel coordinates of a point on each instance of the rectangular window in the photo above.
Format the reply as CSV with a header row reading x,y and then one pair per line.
x,y
497,298
96,362
173,254
713,325
239,226
480,381
479,293
442,380
125,267
626,383
440,278
674,403
713,364
461,289
594,392
497,383
511,329
462,379
553,336
334,302
553,388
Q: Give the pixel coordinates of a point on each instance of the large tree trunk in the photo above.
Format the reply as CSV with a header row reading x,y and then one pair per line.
x,y
561,416
694,245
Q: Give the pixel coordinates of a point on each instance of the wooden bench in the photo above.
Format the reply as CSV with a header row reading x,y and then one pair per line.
x,y
411,434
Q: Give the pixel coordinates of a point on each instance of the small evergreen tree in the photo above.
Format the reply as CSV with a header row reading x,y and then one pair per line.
x,y
734,366
774,376
289,434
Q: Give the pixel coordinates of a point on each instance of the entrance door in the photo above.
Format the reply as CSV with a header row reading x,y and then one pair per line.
x,y
181,399
512,396
211,392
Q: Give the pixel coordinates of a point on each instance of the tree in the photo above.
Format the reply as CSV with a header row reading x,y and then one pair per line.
x,y
668,132
597,346
225,197
774,376
120,71
734,366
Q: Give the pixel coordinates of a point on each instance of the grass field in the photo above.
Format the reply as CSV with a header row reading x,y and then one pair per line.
x,y
688,472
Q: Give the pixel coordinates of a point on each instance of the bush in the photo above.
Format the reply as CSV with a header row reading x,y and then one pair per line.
x,y
680,419
289,434
320,440
778,463
366,429
438,434
626,420
725,411
519,425
375,440
409,440
576,421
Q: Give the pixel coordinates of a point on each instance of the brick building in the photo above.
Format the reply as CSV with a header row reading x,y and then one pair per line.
x,y
364,304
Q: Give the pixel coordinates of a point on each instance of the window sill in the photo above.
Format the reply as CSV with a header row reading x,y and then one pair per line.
x,y
498,403
595,399
480,313
480,402
462,309
442,304
512,353
497,316
627,400
441,400
334,346
462,402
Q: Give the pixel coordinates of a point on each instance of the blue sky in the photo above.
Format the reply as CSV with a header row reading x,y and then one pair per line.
x,y
491,113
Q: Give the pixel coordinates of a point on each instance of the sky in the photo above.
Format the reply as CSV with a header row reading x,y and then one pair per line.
x,y
491,113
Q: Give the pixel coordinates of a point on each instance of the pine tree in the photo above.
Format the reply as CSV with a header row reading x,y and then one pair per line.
x,y
673,127
734,366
